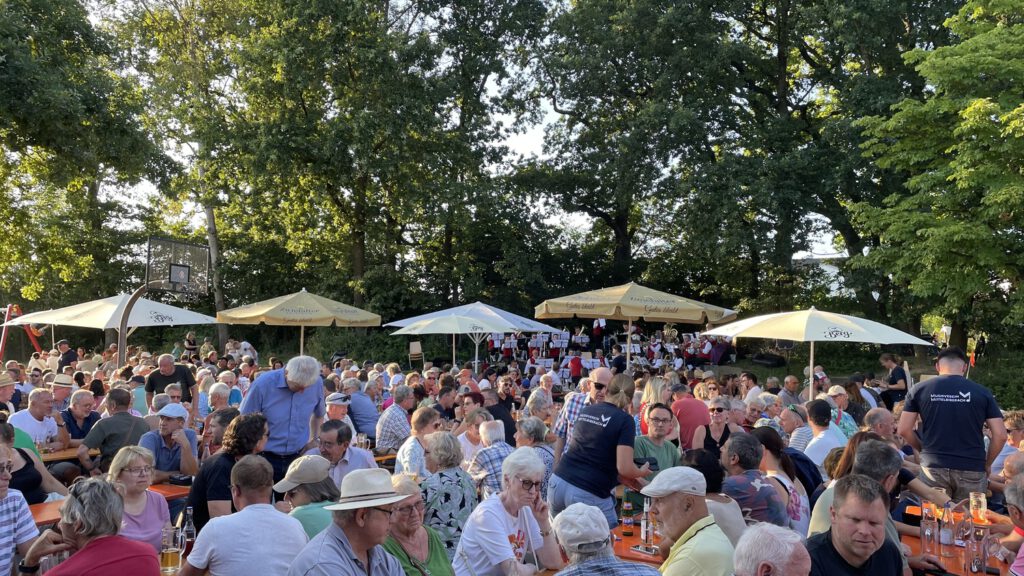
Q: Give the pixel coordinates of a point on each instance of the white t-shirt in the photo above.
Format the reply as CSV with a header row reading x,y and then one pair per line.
x,y
491,536
819,447
257,539
39,431
469,449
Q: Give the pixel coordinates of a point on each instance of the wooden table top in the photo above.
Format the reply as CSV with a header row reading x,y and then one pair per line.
x,y
48,513
953,564
66,454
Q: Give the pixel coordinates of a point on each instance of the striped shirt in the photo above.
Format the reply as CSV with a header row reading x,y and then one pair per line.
x,y
16,527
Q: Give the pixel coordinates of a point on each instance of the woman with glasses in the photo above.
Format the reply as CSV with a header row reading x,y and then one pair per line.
x,y
510,533
411,457
308,488
145,512
712,437
417,547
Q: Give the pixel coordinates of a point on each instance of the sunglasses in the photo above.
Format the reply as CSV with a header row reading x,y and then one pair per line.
x,y
717,409
599,386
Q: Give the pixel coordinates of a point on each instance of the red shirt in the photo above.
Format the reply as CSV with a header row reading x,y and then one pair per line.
x,y
691,414
111,555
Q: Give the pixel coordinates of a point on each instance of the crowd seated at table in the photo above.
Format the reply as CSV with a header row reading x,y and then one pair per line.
x,y
351,468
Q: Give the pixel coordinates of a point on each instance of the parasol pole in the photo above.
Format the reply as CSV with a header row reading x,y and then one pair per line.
x,y
453,351
302,339
810,367
629,344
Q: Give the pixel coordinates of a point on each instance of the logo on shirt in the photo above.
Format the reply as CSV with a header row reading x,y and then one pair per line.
x,y
601,420
959,397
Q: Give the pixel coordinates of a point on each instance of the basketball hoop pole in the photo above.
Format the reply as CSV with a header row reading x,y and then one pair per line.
x,y
122,325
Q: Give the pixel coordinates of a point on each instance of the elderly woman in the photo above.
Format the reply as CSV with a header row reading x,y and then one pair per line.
x,y
27,472
713,436
510,533
417,547
218,395
530,432
449,491
772,404
145,512
411,457
308,488
89,521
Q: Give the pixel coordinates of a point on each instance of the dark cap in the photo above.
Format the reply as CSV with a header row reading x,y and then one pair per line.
x,y
59,342
679,388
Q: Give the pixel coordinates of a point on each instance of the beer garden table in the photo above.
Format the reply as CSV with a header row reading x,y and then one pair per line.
x,y
48,513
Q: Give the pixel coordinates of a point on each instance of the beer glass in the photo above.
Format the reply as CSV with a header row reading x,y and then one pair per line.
x,y
170,550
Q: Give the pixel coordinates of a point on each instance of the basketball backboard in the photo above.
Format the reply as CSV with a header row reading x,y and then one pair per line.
x,y
177,266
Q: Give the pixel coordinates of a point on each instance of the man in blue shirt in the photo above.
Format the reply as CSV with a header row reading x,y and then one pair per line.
x,y
174,447
361,409
292,400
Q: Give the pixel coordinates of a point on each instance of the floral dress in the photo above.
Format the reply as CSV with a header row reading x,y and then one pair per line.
x,y
450,496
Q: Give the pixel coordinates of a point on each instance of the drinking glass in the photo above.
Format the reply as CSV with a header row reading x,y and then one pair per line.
x,y
929,530
979,507
170,550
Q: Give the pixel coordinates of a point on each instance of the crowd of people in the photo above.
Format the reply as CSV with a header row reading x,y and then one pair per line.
x,y
304,467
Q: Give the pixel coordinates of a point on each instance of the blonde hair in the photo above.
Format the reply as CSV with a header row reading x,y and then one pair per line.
x,y
124,458
620,391
653,390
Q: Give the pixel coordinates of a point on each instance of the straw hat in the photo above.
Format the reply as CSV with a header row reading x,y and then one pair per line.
x,y
366,488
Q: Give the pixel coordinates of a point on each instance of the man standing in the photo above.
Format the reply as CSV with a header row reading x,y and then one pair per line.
x,y
856,542
953,456
292,400
271,539
698,545
819,414
175,448
599,380
37,421
68,356
111,433
352,543
393,426
361,408
741,457
335,444
691,414
790,393
618,361
170,373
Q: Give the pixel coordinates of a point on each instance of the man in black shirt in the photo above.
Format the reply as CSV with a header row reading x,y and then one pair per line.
x,y
68,355
856,543
170,373
445,405
618,361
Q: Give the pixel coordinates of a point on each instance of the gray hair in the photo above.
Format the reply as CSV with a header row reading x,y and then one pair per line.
x,y
303,370
799,411
720,402
522,461
445,449
94,508
772,382
765,543
737,404
175,386
538,403
876,460
577,557
165,357
874,417
220,389
768,399
400,393
1014,492
78,395
159,401
492,432
479,416
351,384
747,449
756,403
533,428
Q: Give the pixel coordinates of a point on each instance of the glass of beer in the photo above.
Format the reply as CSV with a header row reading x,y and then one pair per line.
x,y
979,508
170,550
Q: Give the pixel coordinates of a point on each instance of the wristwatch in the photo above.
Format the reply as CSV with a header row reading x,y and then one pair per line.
x,y
24,569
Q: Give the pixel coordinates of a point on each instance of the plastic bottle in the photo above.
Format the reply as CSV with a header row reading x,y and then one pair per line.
x,y
627,518
946,530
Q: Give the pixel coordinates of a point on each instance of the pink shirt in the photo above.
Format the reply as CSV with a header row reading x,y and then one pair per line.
x,y
692,414
146,526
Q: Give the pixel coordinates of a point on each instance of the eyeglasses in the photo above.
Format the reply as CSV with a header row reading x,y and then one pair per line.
x,y
717,409
529,485
389,511
7,467
659,420
143,471
407,510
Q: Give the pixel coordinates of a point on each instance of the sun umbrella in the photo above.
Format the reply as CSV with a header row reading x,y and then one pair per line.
x,y
631,302
299,309
816,326
476,319
105,314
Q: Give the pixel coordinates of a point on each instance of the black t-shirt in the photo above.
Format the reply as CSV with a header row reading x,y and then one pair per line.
x,y
66,358
501,413
618,363
826,561
157,382
590,463
952,399
446,413
211,484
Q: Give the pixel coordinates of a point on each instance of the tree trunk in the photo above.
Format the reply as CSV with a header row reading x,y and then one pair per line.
x,y
622,258
359,237
213,239
958,334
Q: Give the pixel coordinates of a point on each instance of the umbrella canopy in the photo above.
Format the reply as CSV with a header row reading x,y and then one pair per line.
x,y
816,326
632,302
299,309
105,314
476,319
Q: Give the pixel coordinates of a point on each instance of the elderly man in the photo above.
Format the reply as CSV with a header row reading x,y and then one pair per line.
x,y
234,391
112,433
175,447
80,417
7,390
599,380
856,542
793,420
351,545
62,387
393,426
741,458
37,421
953,457
272,539
292,400
770,550
361,409
485,468
337,409
840,401
582,533
168,372
335,444
698,545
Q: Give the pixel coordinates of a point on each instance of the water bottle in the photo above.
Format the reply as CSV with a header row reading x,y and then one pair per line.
x,y
946,530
